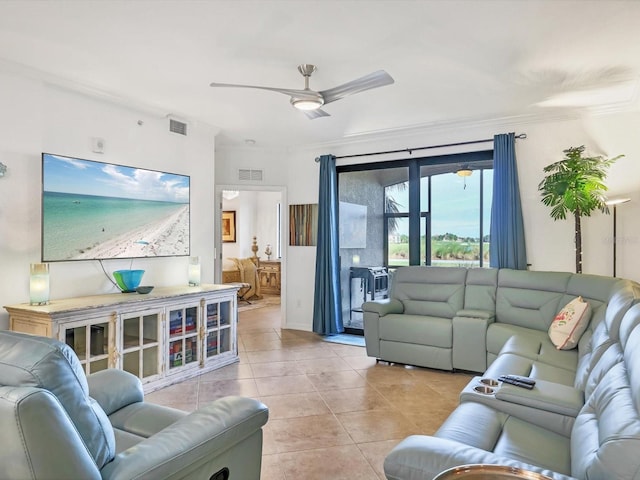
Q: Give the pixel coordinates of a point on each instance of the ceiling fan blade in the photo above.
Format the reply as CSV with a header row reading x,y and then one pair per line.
x,y
313,114
373,80
287,91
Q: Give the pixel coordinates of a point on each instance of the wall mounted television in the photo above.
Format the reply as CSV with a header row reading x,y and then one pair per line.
x,y
95,211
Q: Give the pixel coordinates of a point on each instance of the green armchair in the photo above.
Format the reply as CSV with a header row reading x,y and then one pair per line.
x,y
57,423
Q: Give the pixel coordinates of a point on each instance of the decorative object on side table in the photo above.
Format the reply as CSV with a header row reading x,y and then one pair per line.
x,y
143,290
255,248
39,284
268,251
576,185
128,280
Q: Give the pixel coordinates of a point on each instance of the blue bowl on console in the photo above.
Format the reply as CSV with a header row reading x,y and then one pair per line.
x,y
128,280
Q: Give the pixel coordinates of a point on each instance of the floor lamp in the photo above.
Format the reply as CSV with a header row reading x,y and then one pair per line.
x,y
614,202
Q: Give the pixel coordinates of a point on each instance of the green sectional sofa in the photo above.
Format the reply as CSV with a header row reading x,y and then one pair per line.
x,y
581,419
459,318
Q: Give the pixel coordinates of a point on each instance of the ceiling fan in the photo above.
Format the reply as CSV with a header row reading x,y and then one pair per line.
x,y
310,101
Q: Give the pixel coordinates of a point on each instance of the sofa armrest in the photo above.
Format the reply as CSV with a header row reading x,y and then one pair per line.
x,y
383,307
483,314
418,457
548,396
145,419
470,339
226,433
549,405
114,389
372,314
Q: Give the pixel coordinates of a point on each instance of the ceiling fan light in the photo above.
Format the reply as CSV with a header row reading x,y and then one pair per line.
x,y
464,172
307,103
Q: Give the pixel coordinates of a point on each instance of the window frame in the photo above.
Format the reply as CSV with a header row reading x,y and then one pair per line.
x,y
414,166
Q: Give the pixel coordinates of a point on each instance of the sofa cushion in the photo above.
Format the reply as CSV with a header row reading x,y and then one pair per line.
x,y
510,363
483,427
480,289
39,441
529,299
569,324
621,300
605,439
30,361
435,291
603,351
419,329
499,333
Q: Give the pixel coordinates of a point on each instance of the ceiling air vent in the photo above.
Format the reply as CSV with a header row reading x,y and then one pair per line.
x,y
247,174
177,127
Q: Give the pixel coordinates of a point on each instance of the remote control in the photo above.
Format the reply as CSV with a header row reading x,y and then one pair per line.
x,y
522,379
517,383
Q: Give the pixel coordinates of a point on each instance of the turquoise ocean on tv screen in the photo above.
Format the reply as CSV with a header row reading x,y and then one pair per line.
x,y
74,223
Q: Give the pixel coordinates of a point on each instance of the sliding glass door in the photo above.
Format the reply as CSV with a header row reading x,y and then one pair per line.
x,y
425,211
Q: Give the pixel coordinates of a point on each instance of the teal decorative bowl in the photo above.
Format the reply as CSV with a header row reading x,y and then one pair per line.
x,y
128,280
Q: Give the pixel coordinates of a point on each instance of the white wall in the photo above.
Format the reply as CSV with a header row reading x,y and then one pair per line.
x,y
38,117
549,243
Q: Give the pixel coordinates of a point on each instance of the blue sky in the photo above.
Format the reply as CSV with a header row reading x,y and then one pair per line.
x,y
454,207
71,175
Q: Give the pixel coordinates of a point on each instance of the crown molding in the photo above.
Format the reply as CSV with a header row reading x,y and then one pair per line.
x,y
98,93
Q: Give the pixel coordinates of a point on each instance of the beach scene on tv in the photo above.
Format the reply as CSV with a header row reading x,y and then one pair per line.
x,y
96,210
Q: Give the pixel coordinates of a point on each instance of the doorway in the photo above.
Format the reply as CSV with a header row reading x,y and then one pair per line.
x,y
250,227
422,211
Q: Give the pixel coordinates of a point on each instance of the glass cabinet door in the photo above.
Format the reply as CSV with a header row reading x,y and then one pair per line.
x,y
140,343
90,341
183,337
218,338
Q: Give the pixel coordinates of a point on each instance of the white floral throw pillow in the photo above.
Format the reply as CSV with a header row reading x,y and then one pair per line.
x,y
569,324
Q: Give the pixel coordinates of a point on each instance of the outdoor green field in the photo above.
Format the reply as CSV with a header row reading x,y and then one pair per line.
x,y
451,253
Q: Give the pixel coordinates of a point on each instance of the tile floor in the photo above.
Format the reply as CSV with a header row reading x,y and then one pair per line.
x,y
326,401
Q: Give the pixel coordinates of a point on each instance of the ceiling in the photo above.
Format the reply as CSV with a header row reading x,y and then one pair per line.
x,y
452,61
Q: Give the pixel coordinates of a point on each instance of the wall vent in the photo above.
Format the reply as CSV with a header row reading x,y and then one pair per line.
x,y
177,127
246,174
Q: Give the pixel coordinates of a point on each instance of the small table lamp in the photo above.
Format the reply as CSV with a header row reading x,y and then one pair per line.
x,y
39,284
194,271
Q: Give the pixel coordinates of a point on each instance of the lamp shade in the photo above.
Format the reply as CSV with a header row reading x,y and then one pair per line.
x,y
194,271
39,284
617,201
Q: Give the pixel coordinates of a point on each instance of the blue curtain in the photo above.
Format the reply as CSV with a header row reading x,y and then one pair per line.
x,y
327,301
507,246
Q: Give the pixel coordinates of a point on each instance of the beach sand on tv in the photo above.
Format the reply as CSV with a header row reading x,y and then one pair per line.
x,y
166,237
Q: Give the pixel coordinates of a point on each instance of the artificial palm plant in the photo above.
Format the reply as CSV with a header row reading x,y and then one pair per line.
x,y
575,184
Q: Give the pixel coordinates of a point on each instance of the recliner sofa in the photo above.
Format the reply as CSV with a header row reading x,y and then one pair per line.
x,y
581,420
57,423
460,318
